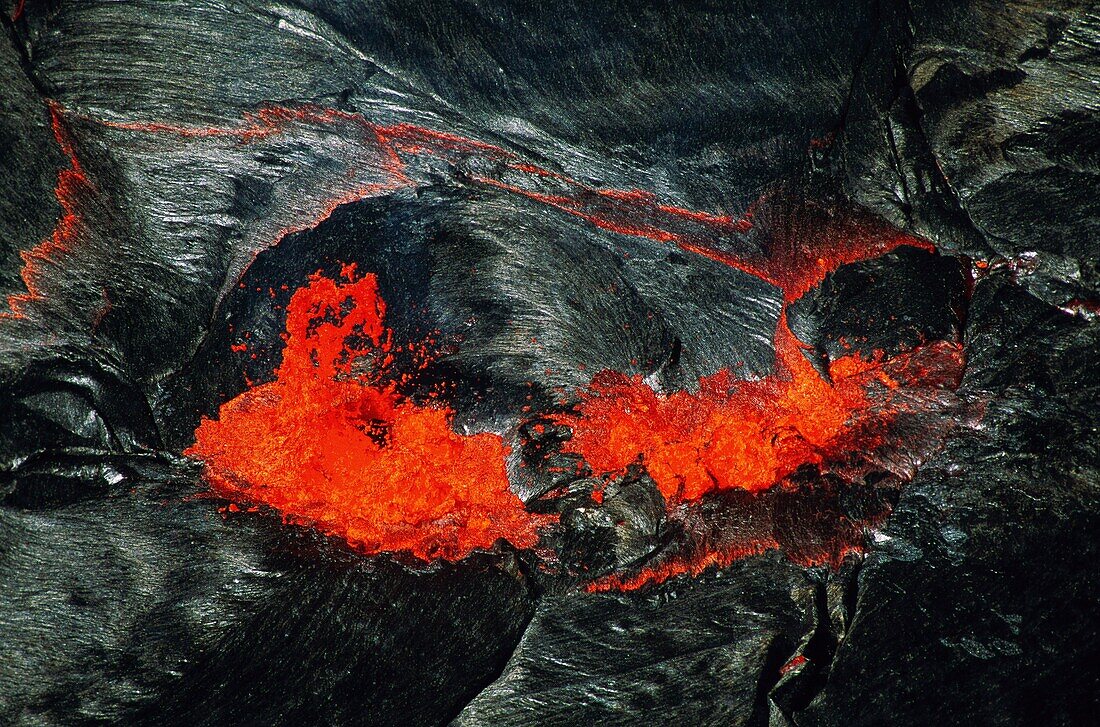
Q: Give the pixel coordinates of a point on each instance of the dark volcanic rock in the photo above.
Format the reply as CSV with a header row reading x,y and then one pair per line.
x,y
982,581
887,305
702,652
991,82
545,191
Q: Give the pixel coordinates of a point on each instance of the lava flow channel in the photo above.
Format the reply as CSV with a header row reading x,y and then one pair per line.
x,y
331,444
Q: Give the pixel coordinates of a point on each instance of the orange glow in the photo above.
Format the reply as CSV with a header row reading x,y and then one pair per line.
x,y
329,443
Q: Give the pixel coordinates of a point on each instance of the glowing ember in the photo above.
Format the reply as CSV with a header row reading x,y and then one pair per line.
x,y
330,444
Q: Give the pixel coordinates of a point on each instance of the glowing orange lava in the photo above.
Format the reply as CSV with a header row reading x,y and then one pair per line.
x,y
329,443
745,434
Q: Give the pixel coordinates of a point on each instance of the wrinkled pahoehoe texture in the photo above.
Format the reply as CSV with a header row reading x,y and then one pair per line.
x,y
863,232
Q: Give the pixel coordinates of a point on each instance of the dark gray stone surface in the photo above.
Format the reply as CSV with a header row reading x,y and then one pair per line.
x,y
127,598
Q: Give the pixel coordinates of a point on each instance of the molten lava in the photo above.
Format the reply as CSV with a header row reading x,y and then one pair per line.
x,y
754,435
330,443
745,434
749,434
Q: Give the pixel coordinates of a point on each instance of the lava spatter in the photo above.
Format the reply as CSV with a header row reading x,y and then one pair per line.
x,y
331,443
744,434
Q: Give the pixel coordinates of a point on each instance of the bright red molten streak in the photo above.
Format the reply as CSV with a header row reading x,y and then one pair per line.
x,y
677,567
328,443
635,213
72,184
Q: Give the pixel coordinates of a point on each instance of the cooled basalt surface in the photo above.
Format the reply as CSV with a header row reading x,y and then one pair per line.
x,y
744,355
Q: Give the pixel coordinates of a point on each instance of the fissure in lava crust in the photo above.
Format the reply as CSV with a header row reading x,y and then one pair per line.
x,y
72,186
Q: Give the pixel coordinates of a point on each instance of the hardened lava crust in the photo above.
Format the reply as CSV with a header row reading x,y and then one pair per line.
x,y
491,363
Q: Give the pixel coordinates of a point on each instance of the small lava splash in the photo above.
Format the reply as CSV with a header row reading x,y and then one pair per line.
x,y
332,444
